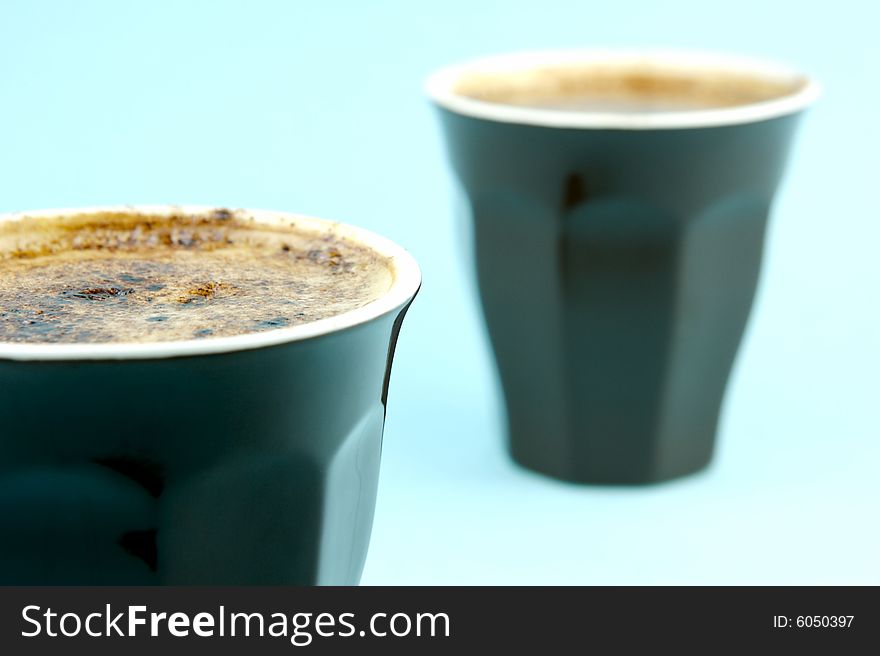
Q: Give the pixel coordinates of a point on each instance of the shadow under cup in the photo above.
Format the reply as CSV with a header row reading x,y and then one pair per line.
x,y
619,203
250,459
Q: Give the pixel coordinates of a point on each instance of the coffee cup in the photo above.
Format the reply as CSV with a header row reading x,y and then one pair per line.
x,y
242,459
618,204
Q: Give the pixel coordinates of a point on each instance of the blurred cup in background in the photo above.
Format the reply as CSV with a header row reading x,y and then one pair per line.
x,y
619,203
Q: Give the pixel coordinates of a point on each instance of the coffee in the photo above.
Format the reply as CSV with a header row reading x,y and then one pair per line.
x,y
620,88
135,277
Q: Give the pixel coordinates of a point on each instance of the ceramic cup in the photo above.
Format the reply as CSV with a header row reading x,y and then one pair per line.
x,y
617,248
234,460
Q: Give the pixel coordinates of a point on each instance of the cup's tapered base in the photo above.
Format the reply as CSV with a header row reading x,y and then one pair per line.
x,y
598,473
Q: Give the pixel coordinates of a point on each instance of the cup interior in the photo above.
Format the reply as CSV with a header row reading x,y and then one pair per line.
x,y
150,230
621,89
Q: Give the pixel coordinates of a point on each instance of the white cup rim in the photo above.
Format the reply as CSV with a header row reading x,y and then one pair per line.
x,y
440,88
405,284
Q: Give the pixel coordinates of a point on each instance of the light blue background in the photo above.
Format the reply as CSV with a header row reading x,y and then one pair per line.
x,y
316,107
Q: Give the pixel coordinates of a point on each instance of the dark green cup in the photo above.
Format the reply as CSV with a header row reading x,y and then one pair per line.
x,y
236,460
617,246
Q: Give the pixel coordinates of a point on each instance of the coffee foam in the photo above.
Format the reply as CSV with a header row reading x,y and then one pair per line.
x,y
654,84
138,277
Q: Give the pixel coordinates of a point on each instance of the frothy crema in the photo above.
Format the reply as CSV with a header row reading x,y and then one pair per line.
x,y
622,87
139,277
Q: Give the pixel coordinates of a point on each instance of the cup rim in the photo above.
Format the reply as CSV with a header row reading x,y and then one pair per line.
x,y
405,285
439,87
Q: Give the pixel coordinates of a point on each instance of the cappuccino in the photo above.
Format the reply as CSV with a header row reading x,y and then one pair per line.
x,y
135,277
